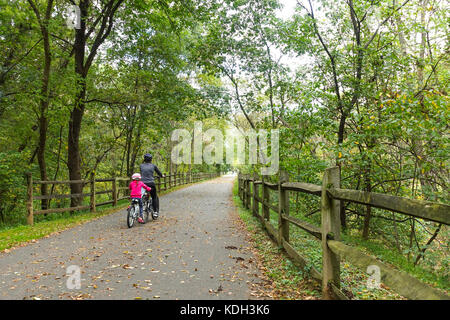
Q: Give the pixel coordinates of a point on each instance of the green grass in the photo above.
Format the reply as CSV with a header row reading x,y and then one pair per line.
x,y
11,236
18,235
399,261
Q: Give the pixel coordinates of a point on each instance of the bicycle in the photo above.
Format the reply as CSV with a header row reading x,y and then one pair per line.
x,y
148,207
133,213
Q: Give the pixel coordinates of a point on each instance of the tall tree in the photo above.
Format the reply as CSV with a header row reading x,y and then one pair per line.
x,y
88,39
43,21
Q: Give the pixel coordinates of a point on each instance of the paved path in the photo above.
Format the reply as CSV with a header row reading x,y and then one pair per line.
x,y
193,251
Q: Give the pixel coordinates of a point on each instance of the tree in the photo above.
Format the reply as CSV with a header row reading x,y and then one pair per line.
x,y
43,21
86,38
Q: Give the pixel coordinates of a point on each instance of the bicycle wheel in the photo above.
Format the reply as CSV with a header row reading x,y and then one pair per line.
x,y
146,214
131,216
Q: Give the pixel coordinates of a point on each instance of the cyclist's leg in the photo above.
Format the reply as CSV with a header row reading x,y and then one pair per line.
x,y
140,207
155,202
156,207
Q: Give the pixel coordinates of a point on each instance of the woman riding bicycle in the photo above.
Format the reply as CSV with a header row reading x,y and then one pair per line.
x,y
147,170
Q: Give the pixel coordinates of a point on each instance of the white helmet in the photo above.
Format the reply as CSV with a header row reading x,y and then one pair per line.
x,y
136,176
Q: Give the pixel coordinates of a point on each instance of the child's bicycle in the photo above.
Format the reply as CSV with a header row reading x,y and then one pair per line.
x,y
147,210
133,213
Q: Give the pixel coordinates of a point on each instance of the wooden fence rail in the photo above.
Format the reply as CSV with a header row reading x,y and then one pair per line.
x,y
329,232
119,185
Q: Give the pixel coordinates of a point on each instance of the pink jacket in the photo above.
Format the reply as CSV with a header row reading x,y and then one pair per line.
x,y
136,188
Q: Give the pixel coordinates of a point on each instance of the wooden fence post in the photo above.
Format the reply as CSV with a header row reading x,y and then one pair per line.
x,y
93,192
249,195
255,203
30,218
242,187
283,208
114,191
239,185
331,227
244,190
266,200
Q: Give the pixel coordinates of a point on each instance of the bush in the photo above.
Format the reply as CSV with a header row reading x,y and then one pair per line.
x,y
12,188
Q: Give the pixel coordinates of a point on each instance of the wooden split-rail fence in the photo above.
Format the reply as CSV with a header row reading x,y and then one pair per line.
x,y
118,185
333,249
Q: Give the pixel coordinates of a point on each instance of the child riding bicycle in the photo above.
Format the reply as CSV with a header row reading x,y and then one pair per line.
x,y
136,187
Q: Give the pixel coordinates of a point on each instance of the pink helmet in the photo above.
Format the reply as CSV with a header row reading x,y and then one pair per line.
x,y
136,176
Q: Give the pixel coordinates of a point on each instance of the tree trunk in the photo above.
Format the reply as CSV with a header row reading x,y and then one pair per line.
x,y
76,115
43,121
73,154
41,155
44,94
368,215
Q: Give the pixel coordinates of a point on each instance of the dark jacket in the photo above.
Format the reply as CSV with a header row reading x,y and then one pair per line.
x,y
147,170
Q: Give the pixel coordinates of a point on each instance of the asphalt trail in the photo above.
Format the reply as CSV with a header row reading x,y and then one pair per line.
x,y
193,251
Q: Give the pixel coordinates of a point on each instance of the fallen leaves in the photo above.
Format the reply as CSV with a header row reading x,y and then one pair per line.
x,y
80,296
238,258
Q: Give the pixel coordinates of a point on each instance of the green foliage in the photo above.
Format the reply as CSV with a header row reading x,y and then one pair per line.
x,y
13,191
359,84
